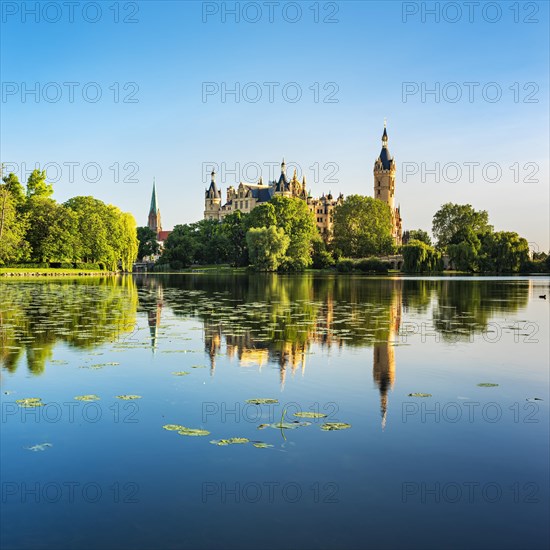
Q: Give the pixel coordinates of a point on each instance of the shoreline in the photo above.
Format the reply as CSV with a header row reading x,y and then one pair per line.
x,y
52,272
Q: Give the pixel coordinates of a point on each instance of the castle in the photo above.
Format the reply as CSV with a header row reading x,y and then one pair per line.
x,y
249,195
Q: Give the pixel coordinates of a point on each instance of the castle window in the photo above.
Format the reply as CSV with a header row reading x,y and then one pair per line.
x,y
246,205
379,191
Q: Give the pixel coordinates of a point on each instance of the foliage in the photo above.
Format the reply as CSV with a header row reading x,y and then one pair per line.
x,y
37,185
503,252
452,221
12,229
345,265
267,247
362,227
293,216
417,235
321,257
11,184
147,242
180,246
371,265
234,228
420,257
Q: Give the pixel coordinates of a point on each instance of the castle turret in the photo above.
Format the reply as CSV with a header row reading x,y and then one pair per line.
x,y
153,221
384,184
212,200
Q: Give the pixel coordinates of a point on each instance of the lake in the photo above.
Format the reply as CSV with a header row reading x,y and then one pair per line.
x,y
405,412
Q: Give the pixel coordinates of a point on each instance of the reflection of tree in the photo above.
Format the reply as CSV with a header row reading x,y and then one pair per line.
x,y
151,301
465,307
35,316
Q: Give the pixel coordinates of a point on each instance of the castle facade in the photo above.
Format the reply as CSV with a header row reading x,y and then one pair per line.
x,y
249,195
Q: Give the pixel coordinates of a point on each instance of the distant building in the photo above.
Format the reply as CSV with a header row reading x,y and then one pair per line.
x,y
249,195
384,186
154,222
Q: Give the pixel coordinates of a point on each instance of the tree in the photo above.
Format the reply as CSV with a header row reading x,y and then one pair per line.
x,y
37,186
234,227
417,235
504,252
12,229
11,184
293,216
452,220
267,247
211,242
147,242
42,216
362,227
180,246
419,257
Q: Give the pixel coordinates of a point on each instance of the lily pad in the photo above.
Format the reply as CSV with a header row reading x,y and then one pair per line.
x,y
198,367
531,399
180,373
307,414
128,397
30,402
262,445
487,385
39,447
330,426
262,401
173,427
193,432
87,397
230,441
420,394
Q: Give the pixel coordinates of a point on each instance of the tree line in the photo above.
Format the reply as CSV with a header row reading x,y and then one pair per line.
x,y
281,235
83,232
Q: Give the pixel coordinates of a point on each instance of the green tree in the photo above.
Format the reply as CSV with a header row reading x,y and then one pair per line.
x,y
267,247
234,227
42,215
293,216
180,246
12,229
504,252
37,185
362,227
148,244
417,235
452,221
11,183
211,243
420,257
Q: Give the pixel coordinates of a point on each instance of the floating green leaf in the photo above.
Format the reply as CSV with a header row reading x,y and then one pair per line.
x,y
39,447
180,373
330,426
487,385
261,445
198,367
173,427
193,432
30,402
309,415
420,394
87,397
230,441
128,397
262,401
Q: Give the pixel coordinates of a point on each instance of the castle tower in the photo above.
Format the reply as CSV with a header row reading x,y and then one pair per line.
x,y
212,200
384,185
153,221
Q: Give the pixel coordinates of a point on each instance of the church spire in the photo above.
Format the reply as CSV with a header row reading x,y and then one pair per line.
x,y
153,221
154,206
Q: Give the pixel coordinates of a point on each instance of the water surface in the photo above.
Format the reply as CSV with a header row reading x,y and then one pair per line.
x,y
465,467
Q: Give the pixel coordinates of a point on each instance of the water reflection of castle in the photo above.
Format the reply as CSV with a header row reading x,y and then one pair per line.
x,y
251,348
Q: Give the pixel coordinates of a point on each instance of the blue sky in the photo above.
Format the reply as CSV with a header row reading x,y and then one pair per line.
x,y
361,61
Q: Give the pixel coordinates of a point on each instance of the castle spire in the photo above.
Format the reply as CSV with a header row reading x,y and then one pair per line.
x,y
283,166
385,136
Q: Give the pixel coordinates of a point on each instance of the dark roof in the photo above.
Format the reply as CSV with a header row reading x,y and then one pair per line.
x,y
213,190
283,183
385,157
